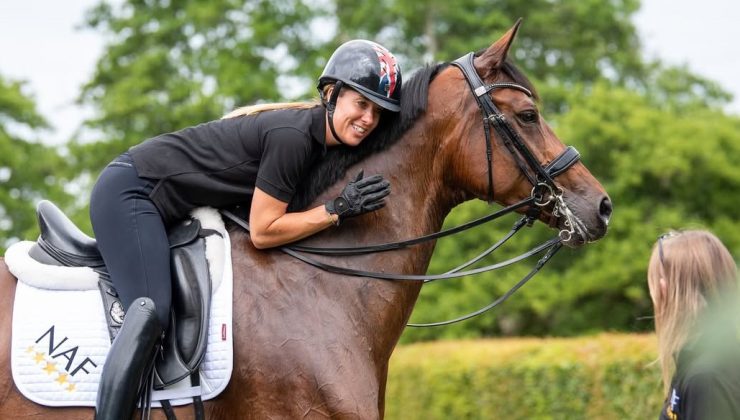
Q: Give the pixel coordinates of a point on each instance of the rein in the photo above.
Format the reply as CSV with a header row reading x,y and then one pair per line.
x,y
552,246
390,246
455,273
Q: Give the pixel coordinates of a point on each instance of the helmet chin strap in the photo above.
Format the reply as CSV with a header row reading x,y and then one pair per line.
x,y
331,105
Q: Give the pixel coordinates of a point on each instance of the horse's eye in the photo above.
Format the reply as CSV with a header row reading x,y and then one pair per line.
x,y
528,117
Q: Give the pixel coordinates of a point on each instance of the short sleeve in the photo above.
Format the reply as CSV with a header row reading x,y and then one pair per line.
x,y
285,157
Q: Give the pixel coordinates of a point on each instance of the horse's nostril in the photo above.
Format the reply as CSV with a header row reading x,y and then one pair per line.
x,y
605,209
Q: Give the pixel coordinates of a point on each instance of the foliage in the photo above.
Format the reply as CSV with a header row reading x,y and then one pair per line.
x,y
173,64
29,170
607,376
547,48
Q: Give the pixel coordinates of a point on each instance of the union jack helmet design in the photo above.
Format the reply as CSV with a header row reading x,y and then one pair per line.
x,y
367,67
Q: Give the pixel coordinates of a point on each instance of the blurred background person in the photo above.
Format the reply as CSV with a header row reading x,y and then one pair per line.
x,y
693,285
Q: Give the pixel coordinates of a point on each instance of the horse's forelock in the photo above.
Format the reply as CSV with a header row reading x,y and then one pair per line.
x,y
392,126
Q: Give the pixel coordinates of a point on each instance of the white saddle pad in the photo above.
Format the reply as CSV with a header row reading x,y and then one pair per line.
x,y
60,338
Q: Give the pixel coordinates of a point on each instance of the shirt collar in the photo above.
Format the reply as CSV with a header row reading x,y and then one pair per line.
x,y
318,126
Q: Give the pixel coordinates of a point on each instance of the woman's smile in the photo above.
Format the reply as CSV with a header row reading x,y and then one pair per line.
x,y
355,117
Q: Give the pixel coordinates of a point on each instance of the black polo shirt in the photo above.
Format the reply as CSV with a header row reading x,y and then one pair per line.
x,y
219,163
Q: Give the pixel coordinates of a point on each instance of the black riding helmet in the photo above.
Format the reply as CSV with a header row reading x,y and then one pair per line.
x,y
367,67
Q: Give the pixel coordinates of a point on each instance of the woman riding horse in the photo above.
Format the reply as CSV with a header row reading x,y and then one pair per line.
x,y
249,156
315,344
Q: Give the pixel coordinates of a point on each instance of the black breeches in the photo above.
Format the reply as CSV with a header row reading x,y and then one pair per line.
x,y
131,236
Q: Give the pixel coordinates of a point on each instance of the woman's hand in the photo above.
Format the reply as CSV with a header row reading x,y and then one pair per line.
x,y
360,196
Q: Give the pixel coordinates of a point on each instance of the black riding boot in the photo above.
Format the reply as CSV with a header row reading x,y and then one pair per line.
x,y
130,355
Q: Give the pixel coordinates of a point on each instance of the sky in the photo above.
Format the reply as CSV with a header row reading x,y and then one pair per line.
x,y
41,43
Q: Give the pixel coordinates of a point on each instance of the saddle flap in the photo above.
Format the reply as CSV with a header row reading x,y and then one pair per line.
x,y
185,341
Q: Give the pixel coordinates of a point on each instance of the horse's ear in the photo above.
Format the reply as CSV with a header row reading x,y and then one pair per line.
x,y
495,55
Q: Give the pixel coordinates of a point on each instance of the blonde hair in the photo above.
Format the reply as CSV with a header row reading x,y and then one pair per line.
x,y
696,268
256,109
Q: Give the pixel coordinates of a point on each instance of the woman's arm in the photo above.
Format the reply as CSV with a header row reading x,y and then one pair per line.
x,y
272,226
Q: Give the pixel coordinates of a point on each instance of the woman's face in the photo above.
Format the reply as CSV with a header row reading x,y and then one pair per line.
x,y
354,118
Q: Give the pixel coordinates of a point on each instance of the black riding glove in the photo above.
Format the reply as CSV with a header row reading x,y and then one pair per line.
x,y
360,196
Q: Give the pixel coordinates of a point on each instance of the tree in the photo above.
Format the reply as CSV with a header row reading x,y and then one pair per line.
x,y
567,40
29,171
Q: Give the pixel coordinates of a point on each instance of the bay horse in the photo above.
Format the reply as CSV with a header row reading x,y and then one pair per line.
x,y
313,344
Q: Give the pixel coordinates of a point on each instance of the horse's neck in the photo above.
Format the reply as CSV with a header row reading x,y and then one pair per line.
x,y
418,202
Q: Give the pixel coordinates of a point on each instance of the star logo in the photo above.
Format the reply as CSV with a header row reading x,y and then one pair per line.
x,y
50,367
62,378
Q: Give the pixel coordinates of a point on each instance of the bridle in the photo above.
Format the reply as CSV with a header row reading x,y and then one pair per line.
x,y
544,188
544,192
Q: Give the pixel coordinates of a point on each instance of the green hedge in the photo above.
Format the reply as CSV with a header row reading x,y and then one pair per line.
x,y
608,376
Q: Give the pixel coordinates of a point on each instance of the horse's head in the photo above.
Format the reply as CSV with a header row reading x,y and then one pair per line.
x,y
495,94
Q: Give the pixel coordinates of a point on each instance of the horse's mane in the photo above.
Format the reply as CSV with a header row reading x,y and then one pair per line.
x,y
333,166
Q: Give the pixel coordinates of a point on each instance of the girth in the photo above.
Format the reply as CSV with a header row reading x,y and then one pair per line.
x,y
64,244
